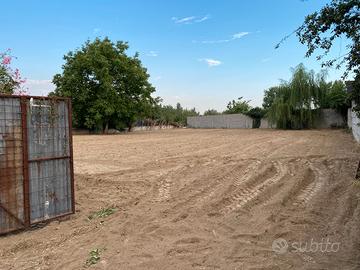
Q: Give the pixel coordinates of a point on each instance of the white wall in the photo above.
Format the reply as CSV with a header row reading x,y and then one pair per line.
x,y
354,123
265,123
220,121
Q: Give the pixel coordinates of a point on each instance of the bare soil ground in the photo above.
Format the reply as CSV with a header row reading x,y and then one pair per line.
x,y
204,199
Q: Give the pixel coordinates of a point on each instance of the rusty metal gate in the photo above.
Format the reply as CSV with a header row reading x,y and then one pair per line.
x,y
36,161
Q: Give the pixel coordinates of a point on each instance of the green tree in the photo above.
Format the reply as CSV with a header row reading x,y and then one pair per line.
x,y
339,18
320,30
256,114
335,97
269,96
7,83
211,112
167,114
296,102
107,87
238,106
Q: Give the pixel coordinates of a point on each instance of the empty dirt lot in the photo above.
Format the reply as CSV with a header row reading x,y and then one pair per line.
x,y
205,199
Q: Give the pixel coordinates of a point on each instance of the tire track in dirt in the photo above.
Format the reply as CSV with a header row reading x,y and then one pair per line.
x,y
317,180
166,183
253,186
310,183
213,181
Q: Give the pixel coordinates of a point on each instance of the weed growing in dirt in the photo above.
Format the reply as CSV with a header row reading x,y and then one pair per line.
x,y
94,257
105,212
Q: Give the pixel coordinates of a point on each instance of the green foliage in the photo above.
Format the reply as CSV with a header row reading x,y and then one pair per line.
x,y
107,87
336,19
94,257
238,106
335,97
167,114
256,114
7,84
105,212
269,96
296,102
211,112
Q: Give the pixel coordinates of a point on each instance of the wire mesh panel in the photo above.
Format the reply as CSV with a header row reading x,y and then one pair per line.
x,y
36,165
49,159
11,166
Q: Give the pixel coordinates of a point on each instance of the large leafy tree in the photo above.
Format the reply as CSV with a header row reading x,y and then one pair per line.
x,y
320,30
107,87
297,101
337,19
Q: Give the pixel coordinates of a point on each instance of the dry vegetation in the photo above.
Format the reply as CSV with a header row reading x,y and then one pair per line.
x,y
202,199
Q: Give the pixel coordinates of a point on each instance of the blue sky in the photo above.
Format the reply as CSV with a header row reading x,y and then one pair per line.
x,y
200,53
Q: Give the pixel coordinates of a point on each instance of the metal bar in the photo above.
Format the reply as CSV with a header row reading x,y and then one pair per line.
x,y
71,157
52,218
11,214
23,105
34,97
48,158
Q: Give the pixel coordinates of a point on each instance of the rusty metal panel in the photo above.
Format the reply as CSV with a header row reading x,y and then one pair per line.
x,y
11,166
48,135
49,159
36,162
50,189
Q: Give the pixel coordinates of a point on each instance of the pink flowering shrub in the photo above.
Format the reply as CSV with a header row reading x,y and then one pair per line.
x,y
11,81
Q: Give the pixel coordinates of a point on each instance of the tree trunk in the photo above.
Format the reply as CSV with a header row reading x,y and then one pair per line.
x,y
130,126
106,130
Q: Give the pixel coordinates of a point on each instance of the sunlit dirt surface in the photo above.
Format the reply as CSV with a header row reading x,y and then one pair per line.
x,y
205,199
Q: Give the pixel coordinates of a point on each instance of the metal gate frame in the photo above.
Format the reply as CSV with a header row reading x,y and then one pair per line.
x,y
26,161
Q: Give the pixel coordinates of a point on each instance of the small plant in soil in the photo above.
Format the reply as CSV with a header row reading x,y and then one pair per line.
x,y
94,257
103,213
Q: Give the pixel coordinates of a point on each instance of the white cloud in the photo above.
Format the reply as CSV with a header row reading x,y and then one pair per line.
x,y
203,19
264,60
185,20
239,35
233,37
211,62
190,19
152,53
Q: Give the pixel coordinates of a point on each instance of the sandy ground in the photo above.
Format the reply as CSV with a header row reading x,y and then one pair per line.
x,y
205,199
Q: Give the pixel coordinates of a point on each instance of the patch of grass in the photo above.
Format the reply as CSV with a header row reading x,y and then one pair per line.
x,y
94,257
105,212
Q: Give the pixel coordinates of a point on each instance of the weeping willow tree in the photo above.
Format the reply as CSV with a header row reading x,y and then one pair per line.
x,y
297,102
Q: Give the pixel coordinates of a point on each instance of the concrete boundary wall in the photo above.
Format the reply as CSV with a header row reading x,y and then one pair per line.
x,y
330,118
220,121
354,123
265,123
